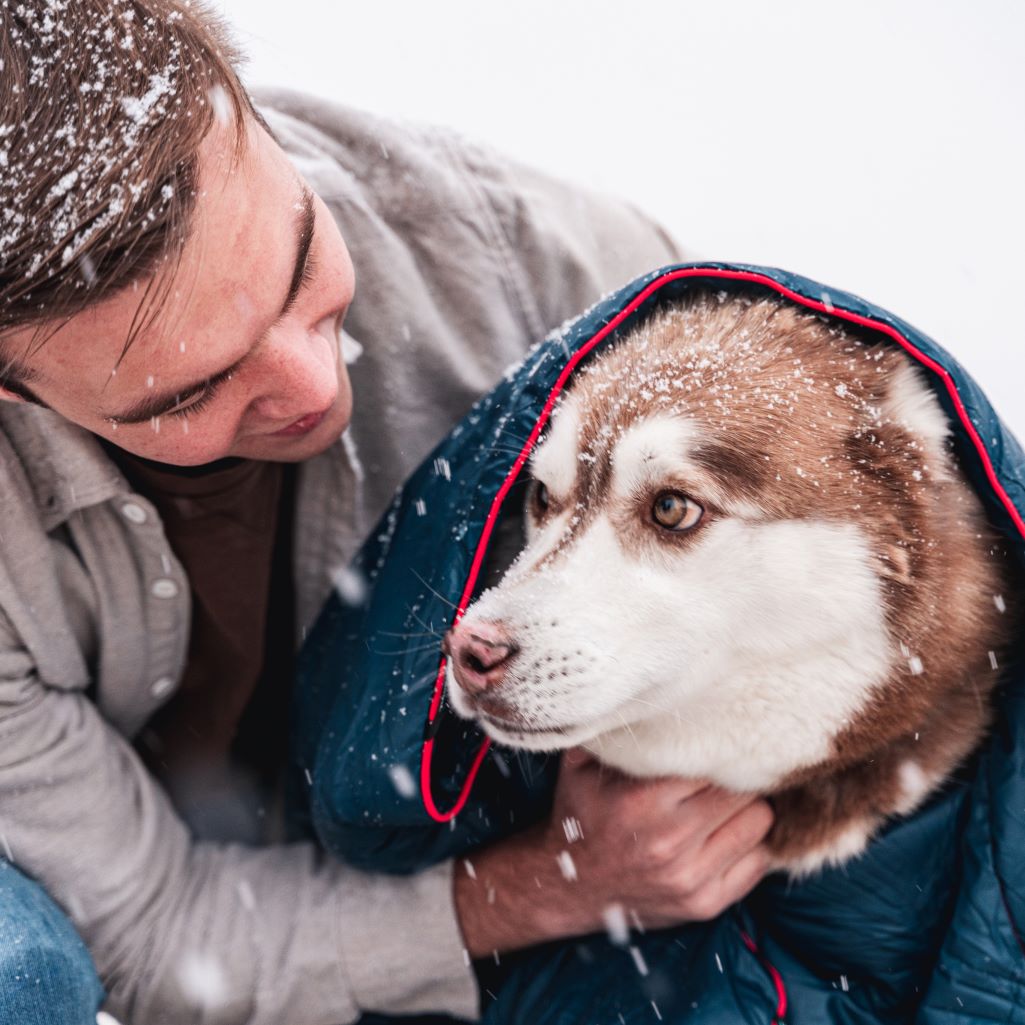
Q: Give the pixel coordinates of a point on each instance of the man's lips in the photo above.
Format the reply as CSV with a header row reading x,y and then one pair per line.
x,y
303,425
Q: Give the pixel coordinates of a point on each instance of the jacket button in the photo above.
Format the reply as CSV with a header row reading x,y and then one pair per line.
x,y
162,686
133,512
164,588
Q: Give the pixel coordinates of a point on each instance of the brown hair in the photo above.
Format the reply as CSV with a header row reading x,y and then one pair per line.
x,y
103,106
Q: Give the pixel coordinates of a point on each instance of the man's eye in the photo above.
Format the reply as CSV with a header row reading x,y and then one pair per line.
x,y
196,405
309,269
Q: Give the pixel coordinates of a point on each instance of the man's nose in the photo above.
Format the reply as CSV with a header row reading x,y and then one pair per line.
x,y
300,374
480,655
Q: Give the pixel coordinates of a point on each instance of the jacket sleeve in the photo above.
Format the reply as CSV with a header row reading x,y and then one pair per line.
x,y
565,246
555,247
185,931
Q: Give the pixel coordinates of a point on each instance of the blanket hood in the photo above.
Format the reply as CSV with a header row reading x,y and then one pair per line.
x,y
385,776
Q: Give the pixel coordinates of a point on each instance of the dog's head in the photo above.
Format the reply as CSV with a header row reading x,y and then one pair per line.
x,y
723,510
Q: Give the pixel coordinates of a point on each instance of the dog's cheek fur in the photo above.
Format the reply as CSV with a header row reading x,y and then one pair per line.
x,y
705,654
787,644
583,656
555,459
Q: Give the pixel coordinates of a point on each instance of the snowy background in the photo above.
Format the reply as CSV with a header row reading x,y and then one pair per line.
x,y
877,146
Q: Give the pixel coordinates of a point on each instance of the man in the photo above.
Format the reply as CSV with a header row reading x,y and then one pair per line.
x,y
177,492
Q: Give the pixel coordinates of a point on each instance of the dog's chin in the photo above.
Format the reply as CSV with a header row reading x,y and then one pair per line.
x,y
529,738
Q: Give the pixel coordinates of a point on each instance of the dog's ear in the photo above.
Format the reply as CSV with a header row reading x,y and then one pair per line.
x,y
894,465
900,449
911,403
897,564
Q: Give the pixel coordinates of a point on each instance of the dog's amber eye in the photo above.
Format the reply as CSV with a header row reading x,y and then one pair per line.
x,y
675,511
540,498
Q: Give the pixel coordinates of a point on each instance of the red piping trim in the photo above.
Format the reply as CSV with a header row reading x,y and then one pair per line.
x,y
652,287
774,975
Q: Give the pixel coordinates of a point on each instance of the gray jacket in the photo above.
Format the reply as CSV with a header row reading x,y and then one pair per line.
x,y
462,260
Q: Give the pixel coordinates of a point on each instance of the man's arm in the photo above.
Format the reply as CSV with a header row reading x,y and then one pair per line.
x,y
181,930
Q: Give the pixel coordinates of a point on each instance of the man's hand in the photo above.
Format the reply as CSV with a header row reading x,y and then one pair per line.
x,y
665,850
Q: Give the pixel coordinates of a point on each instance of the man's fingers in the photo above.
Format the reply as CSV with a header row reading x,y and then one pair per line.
x,y
736,838
663,794
654,792
741,878
714,807
674,792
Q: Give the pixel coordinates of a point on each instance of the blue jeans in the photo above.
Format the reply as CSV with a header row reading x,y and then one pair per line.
x,y
46,974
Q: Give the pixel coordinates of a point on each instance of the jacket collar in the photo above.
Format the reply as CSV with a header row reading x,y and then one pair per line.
x,y
65,465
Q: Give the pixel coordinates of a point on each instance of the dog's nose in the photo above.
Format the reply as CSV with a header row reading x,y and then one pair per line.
x,y
480,655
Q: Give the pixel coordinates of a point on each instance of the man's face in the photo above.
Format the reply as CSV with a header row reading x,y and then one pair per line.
x,y
243,359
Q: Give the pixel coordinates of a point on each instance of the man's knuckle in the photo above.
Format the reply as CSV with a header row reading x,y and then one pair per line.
x,y
688,882
764,818
704,905
661,851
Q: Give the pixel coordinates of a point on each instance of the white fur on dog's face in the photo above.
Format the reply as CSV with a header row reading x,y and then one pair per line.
x,y
679,654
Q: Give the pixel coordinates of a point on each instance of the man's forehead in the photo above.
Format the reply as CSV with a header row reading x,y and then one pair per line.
x,y
209,286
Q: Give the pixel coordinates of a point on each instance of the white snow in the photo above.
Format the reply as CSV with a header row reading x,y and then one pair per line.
x,y
638,958
402,779
220,103
572,829
567,866
616,926
350,348
350,584
87,196
246,895
203,981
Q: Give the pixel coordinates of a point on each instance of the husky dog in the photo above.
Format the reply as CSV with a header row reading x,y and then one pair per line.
x,y
750,559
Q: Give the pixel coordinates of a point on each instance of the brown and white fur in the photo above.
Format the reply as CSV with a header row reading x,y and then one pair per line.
x,y
826,633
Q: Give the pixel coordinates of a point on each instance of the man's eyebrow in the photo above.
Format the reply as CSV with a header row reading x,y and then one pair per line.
x,y
163,402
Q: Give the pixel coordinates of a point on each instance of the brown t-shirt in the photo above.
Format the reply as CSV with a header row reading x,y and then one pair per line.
x,y
219,743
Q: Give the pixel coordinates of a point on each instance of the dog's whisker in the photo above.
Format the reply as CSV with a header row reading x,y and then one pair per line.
x,y
675,712
628,727
427,632
427,626
436,593
413,650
